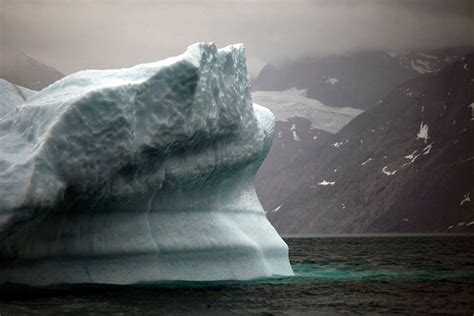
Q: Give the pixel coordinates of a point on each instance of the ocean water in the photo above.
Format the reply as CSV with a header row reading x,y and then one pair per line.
x,y
333,275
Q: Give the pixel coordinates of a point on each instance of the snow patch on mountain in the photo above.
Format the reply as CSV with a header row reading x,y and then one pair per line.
x,y
412,157
388,173
332,81
367,161
421,66
325,183
427,149
472,110
276,209
293,132
423,133
466,199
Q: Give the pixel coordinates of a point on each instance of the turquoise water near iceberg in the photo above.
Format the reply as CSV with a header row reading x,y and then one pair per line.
x,y
333,275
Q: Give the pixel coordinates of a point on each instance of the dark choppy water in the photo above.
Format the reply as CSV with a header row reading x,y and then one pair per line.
x,y
410,275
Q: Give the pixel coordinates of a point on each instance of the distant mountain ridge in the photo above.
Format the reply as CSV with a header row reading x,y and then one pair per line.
x,y
405,165
20,69
358,80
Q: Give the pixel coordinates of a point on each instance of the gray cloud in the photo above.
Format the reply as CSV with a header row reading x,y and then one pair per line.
x,y
81,34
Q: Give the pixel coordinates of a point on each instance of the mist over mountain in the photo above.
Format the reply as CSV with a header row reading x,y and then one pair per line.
x,y
404,165
358,80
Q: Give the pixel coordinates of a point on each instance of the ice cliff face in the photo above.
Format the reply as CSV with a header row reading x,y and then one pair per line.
x,y
138,175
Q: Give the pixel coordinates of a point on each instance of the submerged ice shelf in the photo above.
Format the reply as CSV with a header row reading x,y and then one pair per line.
x,y
135,175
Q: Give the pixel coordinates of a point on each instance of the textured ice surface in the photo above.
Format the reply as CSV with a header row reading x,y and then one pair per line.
x,y
12,95
138,175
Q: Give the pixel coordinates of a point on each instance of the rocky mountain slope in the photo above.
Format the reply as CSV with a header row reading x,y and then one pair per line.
x,y
302,124
405,165
357,80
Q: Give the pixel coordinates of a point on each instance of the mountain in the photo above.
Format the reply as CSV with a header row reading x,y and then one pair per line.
x,y
405,165
20,69
430,61
357,80
295,143
302,124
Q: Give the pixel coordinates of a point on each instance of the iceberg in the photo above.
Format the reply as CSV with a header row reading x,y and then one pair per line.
x,y
11,96
143,174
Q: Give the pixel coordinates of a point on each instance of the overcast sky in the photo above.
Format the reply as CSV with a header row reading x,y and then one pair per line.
x,y
71,35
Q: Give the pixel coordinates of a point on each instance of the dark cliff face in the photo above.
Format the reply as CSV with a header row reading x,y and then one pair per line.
x,y
27,72
357,80
405,165
295,144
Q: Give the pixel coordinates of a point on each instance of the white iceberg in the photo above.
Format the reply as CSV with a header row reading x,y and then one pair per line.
x,y
11,96
135,175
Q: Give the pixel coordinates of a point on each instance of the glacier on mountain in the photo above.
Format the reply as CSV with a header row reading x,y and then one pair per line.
x,y
142,174
294,102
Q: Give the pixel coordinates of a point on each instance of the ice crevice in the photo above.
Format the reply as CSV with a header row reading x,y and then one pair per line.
x,y
148,220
